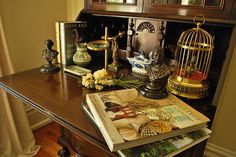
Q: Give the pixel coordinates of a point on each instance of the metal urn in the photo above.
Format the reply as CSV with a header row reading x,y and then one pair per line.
x,y
193,56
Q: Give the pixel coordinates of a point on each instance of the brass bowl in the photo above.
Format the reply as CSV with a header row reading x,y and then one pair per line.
x,y
98,45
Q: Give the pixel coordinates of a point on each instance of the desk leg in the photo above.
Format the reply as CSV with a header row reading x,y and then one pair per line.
x,y
64,152
74,144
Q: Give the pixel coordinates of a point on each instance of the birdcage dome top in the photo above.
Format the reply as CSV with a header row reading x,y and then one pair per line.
x,y
196,38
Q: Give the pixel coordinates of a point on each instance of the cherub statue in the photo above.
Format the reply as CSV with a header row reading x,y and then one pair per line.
x,y
158,73
49,55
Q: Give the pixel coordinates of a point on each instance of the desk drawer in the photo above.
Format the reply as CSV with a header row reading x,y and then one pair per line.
x,y
79,146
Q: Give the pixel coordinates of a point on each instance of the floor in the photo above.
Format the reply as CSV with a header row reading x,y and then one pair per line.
x,y
47,138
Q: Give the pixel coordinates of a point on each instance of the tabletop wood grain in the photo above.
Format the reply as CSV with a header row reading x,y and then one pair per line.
x,y
58,96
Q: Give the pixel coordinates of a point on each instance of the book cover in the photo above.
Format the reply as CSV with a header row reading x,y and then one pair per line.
x,y
127,119
88,112
68,34
168,147
164,148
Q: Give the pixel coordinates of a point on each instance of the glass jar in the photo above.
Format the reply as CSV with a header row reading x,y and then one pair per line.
x,y
81,57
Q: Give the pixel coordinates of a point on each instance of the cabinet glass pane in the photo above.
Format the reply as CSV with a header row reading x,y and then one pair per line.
x,y
117,1
159,1
185,2
213,2
131,1
113,1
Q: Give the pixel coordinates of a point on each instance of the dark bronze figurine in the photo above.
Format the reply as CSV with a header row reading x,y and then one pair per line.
x,y
49,55
158,73
115,63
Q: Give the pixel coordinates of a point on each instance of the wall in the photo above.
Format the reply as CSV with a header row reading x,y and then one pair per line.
x,y
223,140
73,8
27,24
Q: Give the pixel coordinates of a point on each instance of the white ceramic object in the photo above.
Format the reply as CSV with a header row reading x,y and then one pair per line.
x,y
140,64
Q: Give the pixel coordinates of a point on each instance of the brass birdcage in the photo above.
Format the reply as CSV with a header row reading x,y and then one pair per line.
x,y
193,56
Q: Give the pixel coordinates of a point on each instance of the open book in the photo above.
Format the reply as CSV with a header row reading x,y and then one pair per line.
x,y
127,119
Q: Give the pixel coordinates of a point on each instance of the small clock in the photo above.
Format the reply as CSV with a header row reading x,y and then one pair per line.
x,y
146,25
147,34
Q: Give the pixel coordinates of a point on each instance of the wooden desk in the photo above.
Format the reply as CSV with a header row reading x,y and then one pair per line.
x,y
59,96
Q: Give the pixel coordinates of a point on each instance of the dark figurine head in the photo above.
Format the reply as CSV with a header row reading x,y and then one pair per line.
x,y
158,55
49,43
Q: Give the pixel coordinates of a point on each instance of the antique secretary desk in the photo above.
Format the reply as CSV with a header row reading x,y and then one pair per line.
x,y
59,95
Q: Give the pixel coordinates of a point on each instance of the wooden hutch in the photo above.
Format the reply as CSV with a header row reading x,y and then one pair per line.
x,y
60,96
175,16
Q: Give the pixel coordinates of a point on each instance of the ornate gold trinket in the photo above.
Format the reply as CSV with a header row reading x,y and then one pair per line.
x,y
193,55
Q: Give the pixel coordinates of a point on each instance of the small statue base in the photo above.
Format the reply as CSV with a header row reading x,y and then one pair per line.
x,y
114,67
49,68
153,91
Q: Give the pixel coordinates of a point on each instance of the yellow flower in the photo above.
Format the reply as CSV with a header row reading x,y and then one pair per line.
x,y
100,74
89,76
88,81
110,82
99,87
101,79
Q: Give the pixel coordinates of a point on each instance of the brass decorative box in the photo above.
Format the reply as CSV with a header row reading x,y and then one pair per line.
x,y
193,56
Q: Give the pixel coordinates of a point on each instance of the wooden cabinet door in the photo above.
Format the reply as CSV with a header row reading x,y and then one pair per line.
x,y
133,6
220,9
